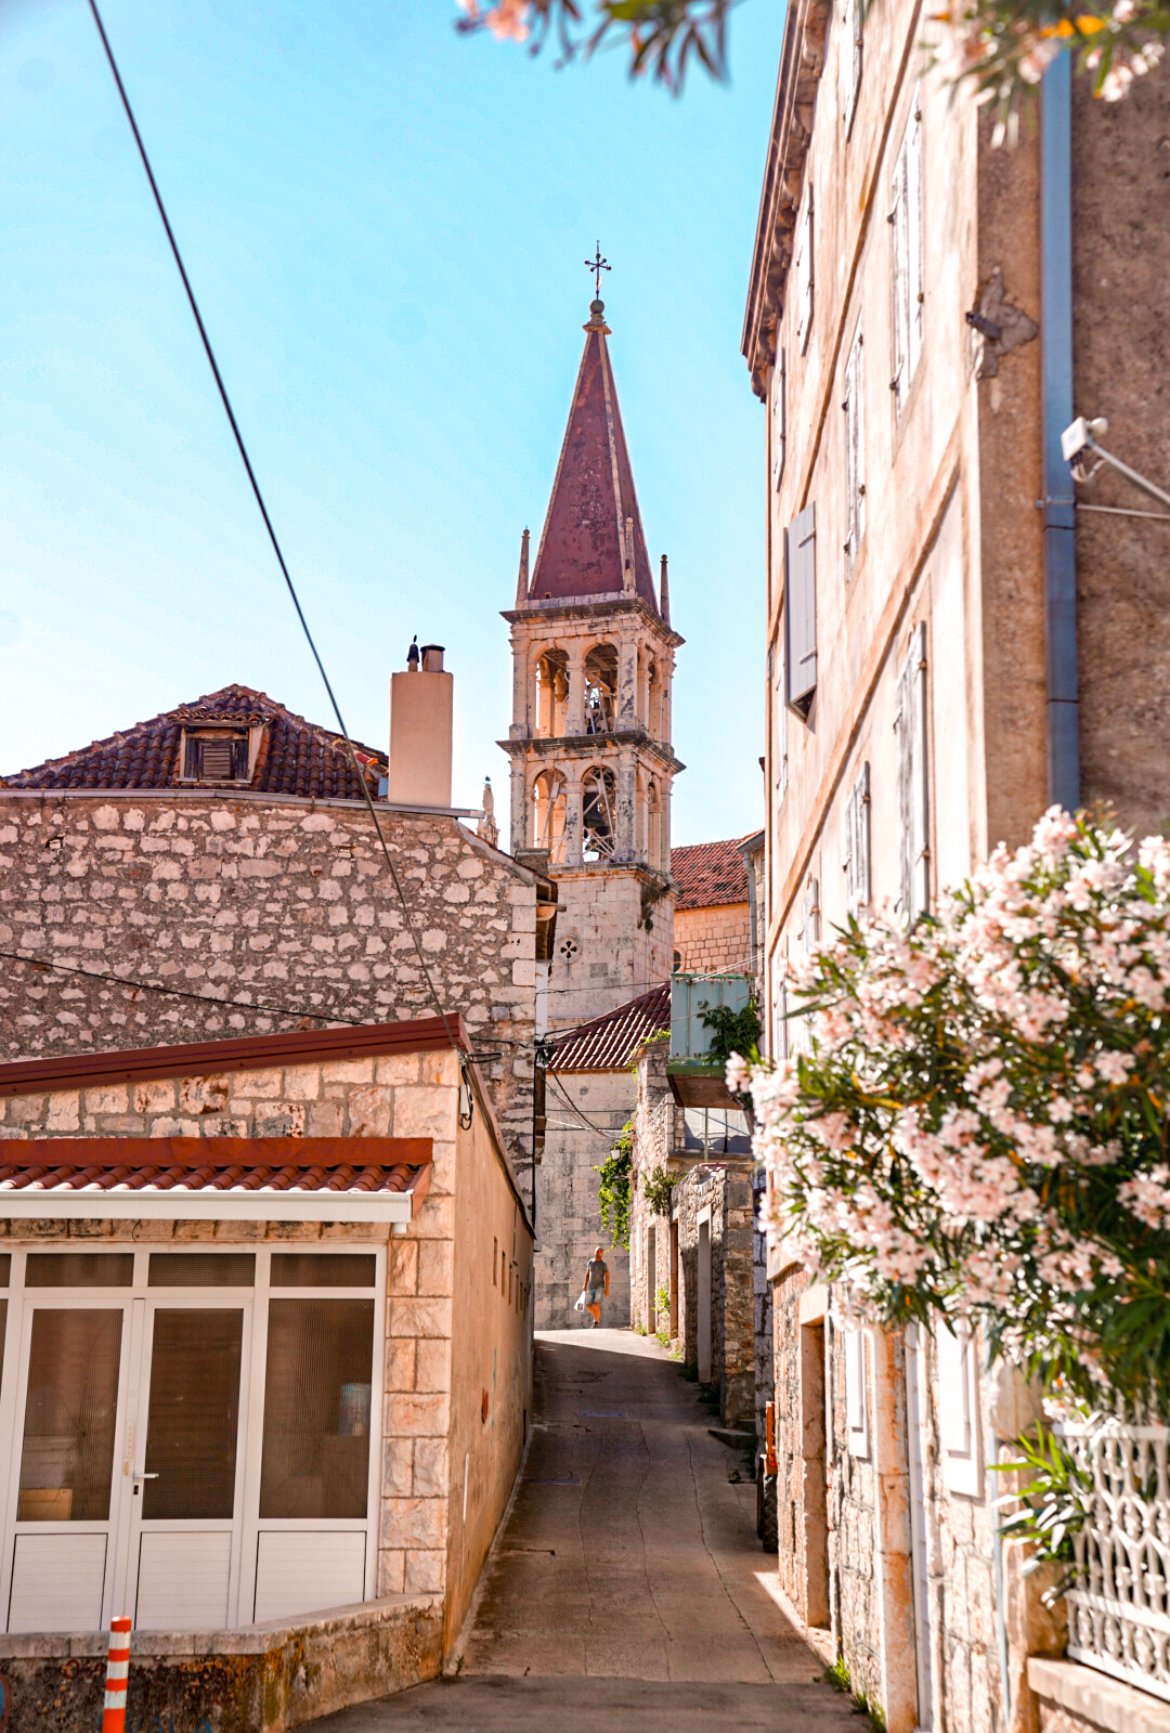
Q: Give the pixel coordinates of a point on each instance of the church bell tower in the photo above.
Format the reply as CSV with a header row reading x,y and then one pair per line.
x,y
593,661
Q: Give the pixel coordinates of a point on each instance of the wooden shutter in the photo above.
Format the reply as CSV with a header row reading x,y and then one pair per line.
x,y
803,268
779,416
856,1392
854,449
857,844
908,272
851,51
779,1031
915,280
913,782
800,610
779,722
810,917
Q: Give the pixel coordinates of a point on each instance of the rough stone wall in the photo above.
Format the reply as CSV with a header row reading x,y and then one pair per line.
x,y
764,1352
791,1442
855,1584
715,940
606,953
585,1110
412,1095
285,902
726,1191
1121,259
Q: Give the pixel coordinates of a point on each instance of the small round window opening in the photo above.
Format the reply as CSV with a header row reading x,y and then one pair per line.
x,y
569,950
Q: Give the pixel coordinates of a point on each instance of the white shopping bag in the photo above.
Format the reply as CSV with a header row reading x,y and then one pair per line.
x,y
580,1302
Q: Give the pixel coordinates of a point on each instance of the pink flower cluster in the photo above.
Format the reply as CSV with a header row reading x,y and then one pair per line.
x,y
974,1109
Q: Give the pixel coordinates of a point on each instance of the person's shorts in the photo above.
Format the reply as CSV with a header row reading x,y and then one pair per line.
x,y
594,1296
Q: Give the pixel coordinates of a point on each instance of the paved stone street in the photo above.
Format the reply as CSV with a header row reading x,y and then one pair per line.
x,y
628,1589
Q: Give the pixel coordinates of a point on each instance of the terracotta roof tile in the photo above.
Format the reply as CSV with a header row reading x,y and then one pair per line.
x,y
295,757
707,874
593,494
90,1174
608,1043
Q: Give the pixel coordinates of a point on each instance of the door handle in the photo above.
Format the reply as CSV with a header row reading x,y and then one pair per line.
x,y
141,1477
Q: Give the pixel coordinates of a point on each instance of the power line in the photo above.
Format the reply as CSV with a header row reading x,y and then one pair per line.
x,y
180,992
268,524
605,1131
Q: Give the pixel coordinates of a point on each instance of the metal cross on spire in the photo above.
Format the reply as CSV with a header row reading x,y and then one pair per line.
x,y
597,264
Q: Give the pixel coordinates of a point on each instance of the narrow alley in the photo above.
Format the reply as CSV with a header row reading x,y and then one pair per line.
x,y
627,1588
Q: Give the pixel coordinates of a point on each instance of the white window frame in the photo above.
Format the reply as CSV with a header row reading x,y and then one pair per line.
x,y
907,273
858,857
959,1428
854,1352
137,1300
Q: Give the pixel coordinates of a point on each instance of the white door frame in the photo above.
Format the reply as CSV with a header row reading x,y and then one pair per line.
x,y
248,1420
64,1300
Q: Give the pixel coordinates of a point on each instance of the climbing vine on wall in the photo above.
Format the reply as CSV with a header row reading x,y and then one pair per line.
x,y
613,1189
657,1185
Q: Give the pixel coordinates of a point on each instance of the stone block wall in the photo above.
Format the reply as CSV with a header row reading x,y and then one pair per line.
x,y
714,941
765,1372
281,902
408,1095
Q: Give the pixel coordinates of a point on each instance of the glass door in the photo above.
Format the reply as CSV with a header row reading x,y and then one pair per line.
x,y
187,1467
72,1374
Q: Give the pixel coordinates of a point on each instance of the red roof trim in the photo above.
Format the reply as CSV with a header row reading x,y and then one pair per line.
x,y
246,1053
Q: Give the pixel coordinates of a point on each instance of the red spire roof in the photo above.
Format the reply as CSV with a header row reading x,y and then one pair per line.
x,y
583,549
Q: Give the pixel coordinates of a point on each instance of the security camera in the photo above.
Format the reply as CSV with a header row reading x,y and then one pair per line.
x,y
1081,436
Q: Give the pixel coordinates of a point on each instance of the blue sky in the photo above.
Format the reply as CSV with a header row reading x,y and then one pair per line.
x,y
386,225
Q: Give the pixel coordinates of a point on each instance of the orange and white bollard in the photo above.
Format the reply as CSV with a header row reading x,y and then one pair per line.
x,y
117,1677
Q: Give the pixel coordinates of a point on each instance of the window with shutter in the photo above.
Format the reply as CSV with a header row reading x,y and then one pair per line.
x,y
857,890
908,284
913,783
803,269
778,1035
852,49
810,917
779,723
854,450
958,1409
217,755
800,610
856,1392
779,415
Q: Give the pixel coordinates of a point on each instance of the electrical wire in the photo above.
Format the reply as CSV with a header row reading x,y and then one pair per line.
x,y
605,1131
180,992
270,528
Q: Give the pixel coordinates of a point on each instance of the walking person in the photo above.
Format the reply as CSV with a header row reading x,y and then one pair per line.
x,y
595,1287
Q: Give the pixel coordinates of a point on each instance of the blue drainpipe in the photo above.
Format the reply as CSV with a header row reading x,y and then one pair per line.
x,y
1056,332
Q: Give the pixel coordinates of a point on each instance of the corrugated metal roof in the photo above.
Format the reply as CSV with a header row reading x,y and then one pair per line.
x,y
608,1043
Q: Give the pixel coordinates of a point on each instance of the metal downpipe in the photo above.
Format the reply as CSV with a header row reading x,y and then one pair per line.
x,y
1056,332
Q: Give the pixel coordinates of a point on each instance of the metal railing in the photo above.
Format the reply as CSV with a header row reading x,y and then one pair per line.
x,y
1119,1606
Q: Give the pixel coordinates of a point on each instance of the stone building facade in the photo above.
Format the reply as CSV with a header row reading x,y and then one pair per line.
x,y
336,1206
265,902
692,1274
951,624
712,912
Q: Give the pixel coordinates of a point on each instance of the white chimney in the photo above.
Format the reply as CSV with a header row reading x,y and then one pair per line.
x,y
420,731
